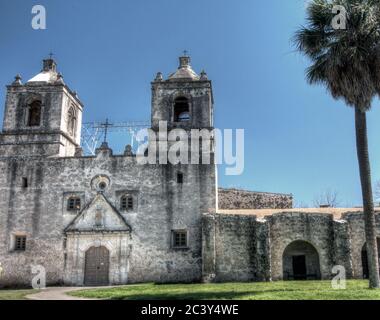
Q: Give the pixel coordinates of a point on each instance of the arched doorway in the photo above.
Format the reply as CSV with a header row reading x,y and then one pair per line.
x,y
365,259
300,261
97,267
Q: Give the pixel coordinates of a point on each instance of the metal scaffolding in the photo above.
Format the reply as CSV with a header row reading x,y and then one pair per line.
x,y
93,133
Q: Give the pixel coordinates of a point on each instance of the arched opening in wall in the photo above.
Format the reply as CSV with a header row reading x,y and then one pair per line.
x,y
300,261
181,110
71,121
34,114
97,267
365,259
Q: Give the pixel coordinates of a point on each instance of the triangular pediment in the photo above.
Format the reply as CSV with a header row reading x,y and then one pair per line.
x,y
99,215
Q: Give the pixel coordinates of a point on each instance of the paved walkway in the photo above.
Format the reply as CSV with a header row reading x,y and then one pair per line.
x,y
57,293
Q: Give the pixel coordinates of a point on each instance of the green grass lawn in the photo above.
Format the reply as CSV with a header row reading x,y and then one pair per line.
x,y
297,290
15,294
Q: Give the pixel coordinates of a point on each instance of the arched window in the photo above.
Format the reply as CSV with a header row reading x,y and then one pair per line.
x,y
34,114
71,121
181,110
126,202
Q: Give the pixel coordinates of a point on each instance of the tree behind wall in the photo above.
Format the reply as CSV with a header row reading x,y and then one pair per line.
x,y
328,198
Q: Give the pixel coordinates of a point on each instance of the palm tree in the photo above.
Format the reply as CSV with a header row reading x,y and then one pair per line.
x,y
347,63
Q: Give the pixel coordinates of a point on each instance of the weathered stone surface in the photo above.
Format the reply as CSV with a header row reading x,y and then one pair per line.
x,y
51,137
55,172
42,168
357,239
230,199
235,248
240,247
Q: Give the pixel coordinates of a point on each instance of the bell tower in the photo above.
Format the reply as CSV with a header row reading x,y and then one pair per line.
x,y
42,117
184,100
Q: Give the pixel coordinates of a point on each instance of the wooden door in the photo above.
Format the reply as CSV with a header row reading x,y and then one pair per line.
x,y
97,267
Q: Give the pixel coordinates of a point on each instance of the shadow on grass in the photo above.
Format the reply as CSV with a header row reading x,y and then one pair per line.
x,y
238,291
196,295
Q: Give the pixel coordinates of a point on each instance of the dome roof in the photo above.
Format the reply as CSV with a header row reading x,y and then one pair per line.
x,y
44,76
48,74
184,72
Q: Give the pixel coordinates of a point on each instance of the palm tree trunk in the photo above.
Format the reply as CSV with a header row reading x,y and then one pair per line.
x,y
368,207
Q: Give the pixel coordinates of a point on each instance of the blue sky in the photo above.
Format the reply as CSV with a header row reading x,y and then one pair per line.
x,y
298,139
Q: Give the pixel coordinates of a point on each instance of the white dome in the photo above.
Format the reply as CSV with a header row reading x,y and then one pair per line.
x,y
184,71
45,76
48,74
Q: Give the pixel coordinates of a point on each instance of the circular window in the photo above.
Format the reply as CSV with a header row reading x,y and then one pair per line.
x,y
102,186
100,183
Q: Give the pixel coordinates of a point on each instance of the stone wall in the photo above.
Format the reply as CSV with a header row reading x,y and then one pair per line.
x,y
234,199
357,239
343,247
235,248
47,156
240,247
39,212
315,229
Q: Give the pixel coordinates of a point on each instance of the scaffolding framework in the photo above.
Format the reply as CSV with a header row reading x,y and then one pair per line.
x,y
94,133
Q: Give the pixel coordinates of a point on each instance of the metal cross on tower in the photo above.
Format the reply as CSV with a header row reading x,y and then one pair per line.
x,y
94,132
106,125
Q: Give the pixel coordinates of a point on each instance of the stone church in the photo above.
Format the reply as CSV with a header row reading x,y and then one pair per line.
x,y
104,219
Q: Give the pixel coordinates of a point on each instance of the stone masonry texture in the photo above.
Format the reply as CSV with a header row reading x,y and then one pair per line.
x,y
43,167
230,199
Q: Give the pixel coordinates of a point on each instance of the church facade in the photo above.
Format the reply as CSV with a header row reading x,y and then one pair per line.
x,y
106,219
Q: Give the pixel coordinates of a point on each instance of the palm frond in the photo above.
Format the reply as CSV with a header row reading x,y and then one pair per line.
x,y
347,61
